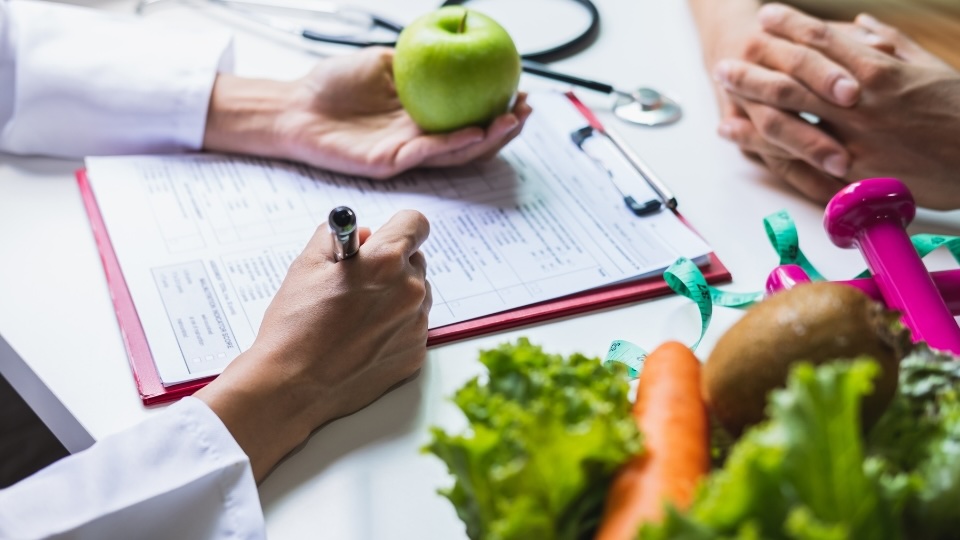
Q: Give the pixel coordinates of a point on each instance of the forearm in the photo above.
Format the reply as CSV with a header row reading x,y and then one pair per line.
x,y
76,82
268,411
245,116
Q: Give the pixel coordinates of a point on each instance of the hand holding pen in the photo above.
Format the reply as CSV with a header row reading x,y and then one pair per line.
x,y
335,337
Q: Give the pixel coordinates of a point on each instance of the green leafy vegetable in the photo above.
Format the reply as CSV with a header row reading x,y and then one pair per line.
x,y
802,474
920,435
546,435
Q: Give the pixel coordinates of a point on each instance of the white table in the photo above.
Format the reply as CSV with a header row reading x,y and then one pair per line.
x,y
363,476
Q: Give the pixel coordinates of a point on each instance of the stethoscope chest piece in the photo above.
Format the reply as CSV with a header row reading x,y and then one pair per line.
x,y
647,107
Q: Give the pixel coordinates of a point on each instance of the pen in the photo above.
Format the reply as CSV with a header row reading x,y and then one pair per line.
x,y
346,236
640,209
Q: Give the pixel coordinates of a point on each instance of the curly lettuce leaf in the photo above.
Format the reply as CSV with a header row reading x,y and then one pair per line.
x,y
920,435
546,435
802,474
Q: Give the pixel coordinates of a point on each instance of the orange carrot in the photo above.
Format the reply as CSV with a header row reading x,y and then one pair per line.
x,y
672,417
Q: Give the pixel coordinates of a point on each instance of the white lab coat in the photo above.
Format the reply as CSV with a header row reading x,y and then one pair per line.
x,y
75,82
178,475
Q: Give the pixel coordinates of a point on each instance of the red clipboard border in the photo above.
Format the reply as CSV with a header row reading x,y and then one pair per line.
x,y
151,388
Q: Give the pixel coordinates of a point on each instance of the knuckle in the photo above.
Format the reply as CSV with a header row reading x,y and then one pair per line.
x,y
736,75
814,33
415,218
779,168
755,48
416,289
418,228
875,72
782,91
816,148
738,135
388,258
428,300
797,59
770,125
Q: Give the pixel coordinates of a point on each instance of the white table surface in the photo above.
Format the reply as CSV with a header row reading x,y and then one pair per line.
x,y
363,476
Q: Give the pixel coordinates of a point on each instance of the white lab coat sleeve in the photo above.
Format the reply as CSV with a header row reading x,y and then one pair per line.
x,y
179,474
76,82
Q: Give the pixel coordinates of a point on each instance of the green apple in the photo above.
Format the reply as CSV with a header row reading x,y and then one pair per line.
x,y
454,68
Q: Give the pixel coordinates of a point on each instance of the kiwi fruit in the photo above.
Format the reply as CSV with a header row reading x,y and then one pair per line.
x,y
814,322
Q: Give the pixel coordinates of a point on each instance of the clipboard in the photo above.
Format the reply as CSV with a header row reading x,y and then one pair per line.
x,y
151,388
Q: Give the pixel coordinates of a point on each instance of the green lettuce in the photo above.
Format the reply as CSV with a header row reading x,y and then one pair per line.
x,y
803,474
920,435
546,435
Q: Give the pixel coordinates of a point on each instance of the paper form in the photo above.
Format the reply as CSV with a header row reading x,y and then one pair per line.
x,y
204,241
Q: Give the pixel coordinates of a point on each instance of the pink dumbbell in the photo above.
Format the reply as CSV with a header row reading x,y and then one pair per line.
x,y
789,275
872,215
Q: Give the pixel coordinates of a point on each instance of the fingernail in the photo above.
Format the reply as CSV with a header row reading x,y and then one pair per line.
x,y
845,91
721,73
511,124
867,20
873,40
725,130
836,164
770,14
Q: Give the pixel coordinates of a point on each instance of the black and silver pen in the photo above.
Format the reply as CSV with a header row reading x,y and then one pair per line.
x,y
346,235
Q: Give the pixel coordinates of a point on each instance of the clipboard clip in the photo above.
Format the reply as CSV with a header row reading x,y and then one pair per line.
x,y
646,208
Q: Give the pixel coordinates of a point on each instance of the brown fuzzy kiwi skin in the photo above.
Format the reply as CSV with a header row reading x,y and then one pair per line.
x,y
815,322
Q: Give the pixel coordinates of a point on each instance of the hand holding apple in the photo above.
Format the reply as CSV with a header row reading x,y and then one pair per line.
x,y
455,68
343,116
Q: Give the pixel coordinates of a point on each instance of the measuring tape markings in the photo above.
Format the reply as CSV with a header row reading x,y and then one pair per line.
x,y
686,280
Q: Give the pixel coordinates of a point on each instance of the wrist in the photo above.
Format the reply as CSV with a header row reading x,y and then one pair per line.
x,y
268,411
724,26
244,116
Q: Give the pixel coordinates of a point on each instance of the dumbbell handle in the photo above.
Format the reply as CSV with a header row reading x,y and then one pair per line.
x,y
790,275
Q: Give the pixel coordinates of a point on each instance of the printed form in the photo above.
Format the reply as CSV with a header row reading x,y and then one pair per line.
x,y
204,241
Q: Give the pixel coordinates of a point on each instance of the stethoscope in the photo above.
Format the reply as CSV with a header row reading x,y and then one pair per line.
x,y
644,106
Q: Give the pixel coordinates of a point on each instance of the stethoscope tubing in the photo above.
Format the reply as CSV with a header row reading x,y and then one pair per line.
x,y
552,53
531,62
564,49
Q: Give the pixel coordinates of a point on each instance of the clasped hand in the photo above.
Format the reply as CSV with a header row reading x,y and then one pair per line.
x,y
886,107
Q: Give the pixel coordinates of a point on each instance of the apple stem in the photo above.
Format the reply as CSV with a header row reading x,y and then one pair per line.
x,y
463,23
